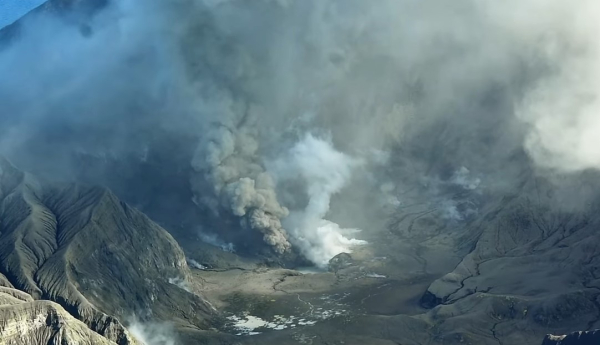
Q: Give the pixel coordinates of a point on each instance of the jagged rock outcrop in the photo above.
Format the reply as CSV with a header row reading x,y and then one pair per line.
x,y
340,261
26,321
100,259
575,338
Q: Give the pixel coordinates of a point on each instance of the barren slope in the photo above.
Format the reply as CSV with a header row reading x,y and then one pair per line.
x,y
26,321
81,247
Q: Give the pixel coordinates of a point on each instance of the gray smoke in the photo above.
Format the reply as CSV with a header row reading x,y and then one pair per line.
x,y
260,118
227,158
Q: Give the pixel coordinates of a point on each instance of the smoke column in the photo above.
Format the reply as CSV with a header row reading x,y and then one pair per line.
x,y
228,160
259,113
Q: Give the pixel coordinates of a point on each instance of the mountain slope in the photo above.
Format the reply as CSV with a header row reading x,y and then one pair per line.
x,y
25,321
94,255
532,265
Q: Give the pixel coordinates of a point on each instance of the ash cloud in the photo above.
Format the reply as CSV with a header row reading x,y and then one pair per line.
x,y
227,159
256,120
563,108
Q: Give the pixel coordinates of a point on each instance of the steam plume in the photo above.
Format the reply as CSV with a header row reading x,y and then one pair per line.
x,y
206,98
152,333
324,172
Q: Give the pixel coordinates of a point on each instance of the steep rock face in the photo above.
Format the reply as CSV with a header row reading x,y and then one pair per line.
x,y
25,321
84,249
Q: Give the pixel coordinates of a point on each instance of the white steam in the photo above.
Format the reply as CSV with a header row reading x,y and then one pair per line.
x,y
324,171
212,239
462,178
564,108
181,283
152,333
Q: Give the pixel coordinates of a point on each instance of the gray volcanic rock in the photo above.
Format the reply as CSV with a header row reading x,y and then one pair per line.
x,y
340,261
25,321
97,257
533,264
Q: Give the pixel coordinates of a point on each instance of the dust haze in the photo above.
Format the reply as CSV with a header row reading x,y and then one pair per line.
x,y
252,120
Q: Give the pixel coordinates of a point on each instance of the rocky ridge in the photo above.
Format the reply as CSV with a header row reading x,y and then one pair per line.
x,y
99,259
24,320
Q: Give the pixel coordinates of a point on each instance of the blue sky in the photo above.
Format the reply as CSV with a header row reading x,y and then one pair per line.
x,y
11,10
